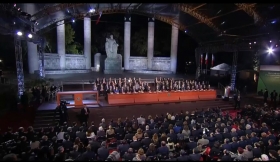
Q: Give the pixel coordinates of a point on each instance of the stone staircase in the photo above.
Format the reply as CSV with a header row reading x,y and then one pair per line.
x,y
45,118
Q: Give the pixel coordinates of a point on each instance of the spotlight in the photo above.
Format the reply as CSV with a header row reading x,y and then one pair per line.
x,y
186,31
255,42
19,33
270,41
15,5
30,36
91,10
18,9
276,45
73,20
250,43
269,50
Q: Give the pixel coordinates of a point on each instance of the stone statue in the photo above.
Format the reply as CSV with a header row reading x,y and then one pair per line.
x,y
111,47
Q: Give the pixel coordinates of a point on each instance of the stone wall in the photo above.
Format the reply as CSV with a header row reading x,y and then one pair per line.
x,y
141,63
158,63
73,62
138,63
161,63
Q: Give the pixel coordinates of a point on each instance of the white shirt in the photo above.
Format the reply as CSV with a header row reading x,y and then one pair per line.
x,y
60,136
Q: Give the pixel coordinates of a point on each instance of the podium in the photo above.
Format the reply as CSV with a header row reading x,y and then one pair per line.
x,y
78,98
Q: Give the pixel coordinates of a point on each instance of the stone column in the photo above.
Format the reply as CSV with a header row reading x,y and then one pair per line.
x,y
174,47
127,37
151,39
87,41
60,30
33,58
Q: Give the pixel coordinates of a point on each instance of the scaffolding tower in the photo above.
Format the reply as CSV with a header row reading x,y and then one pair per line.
x,y
19,66
233,70
41,58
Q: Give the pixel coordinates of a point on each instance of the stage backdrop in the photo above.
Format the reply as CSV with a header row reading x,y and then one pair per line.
x,y
269,78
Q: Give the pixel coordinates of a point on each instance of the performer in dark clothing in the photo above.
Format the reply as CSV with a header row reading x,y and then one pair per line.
x,y
265,96
63,115
84,115
237,101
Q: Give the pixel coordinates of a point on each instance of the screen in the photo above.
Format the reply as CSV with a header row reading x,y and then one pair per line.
x,y
269,78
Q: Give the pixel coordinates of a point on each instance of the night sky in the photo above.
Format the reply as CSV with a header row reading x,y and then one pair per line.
x,y
186,46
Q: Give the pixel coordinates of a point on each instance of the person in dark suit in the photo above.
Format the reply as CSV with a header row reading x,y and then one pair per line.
x,y
67,144
75,153
163,150
183,156
226,156
95,145
123,147
237,101
103,152
85,115
195,156
265,96
63,115
146,140
191,144
89,155
135,144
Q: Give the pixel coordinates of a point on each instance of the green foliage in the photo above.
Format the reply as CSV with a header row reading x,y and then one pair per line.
x,y
69,34
38,82
94,49
51,46
139,42
71,46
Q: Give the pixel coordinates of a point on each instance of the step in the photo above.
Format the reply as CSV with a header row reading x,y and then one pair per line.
x,y
38,118
37,126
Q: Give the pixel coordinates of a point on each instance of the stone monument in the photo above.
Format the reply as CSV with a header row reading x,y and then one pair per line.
x,y
113,62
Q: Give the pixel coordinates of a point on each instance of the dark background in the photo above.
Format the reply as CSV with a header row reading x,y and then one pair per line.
x,y
186,45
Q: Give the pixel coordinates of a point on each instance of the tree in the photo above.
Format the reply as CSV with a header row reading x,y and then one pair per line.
x,y
139,42
71,46
51,44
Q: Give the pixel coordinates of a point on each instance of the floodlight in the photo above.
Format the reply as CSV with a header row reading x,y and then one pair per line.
x,y
19,33
269,50
30,36
91,10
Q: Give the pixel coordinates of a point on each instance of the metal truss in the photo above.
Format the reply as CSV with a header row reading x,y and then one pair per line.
x,y
233,70
250,10
19,66
204,19
52,9
168,20
41,58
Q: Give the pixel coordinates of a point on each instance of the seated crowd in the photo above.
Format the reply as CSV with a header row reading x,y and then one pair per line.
x,y
105,86
186,136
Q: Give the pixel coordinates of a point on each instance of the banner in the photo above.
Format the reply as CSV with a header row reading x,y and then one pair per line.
x,y
269,77
206,59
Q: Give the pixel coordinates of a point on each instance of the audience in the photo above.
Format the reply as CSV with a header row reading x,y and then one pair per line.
x,y
204,135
